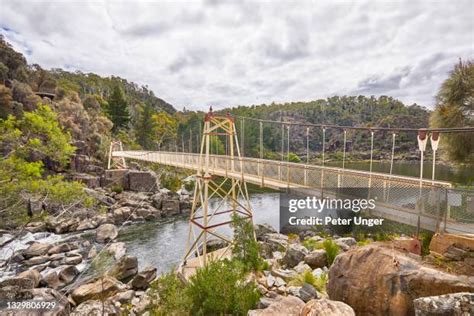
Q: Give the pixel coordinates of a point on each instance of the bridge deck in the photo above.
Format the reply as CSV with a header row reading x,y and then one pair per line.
x,y
398,196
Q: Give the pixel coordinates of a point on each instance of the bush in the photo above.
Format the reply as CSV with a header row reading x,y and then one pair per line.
x,y
319,283
311,244
117,188
219,289
169,297
332,250
245,248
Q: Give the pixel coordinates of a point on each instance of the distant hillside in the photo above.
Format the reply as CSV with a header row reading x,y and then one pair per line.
x,y
85,103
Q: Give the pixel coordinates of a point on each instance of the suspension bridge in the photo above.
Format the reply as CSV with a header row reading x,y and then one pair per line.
x,y
416,201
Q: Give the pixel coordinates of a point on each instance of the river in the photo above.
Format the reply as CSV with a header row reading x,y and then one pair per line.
x,y
162,244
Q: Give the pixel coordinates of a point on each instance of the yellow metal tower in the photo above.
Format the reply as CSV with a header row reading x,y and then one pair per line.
x,y
215,201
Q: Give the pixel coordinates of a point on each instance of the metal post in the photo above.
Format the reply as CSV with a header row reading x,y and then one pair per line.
x,y
191,140
371,149
422,140
393,152
324,143
344,150
307,145
288,157
261,139
242,136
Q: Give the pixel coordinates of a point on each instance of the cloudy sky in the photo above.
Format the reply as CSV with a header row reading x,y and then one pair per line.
x,y
226,53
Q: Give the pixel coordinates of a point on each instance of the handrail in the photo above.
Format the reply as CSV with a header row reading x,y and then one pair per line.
x,y
360,173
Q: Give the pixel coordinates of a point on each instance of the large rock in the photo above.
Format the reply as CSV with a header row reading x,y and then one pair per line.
x,y
100,289
65,247
121,214
288,306
117,249
142,280
125,268
170,207
142,181
277,242
457,304
307,292
100,196
389,279
62,307
96,307
105,233
294,255
33,275
18,288
262,229
51,279
67,274
316,259
324,307
36,249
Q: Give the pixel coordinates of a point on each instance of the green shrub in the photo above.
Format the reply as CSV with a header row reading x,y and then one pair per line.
x,y
332,250
117,188
311,244
245,248
169,297
319,283
219,289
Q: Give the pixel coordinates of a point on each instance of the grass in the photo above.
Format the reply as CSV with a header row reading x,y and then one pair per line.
x,y
319,283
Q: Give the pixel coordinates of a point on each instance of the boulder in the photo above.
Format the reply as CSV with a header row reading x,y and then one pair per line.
x,y
100,289
142,181
302,268
100,196
46,294
294,255
88,180
277,242
51,280
105,233
96,307
36,260
86,225
65,247
36,249
286,275
389,279
17,288
142,280
117,249
124,268
288,306
170,207
307,292
115,177
67,274
456,304
262,229
73,260
121,214
316,259
124,297
325,307
33,275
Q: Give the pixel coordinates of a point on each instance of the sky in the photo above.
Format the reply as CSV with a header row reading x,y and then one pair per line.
x,y
226,53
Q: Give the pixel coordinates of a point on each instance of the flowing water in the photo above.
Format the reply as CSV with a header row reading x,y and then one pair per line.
x,y
162,244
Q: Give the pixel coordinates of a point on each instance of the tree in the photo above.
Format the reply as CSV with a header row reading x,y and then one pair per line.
x,y
455,108
165,127
144,127
27,143
118,109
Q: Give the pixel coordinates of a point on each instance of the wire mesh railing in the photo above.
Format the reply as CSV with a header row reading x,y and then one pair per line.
x,y
432,205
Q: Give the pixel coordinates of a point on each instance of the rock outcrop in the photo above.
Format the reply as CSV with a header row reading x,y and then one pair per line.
x,y
389,279
324,307
289,306
457,304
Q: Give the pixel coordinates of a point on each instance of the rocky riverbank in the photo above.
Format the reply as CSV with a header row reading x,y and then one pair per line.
x,y
304,274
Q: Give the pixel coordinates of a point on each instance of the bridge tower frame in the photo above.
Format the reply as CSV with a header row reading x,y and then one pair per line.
x,y
116,162
235,197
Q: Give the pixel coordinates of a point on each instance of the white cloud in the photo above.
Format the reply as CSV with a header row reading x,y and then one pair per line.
x,y
226,53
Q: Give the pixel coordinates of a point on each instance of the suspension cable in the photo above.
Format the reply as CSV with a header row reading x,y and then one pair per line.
x,y
398,129
393,152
